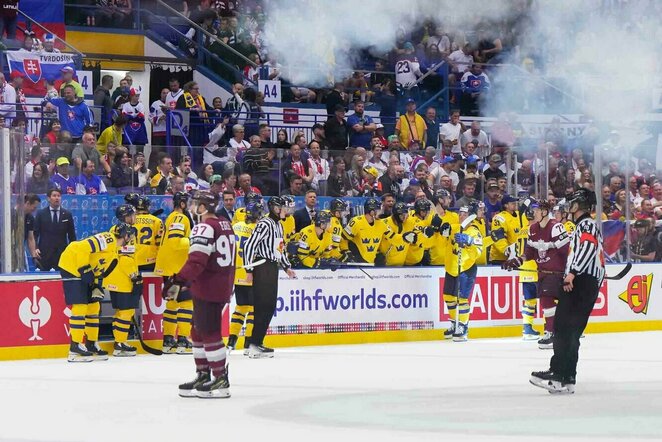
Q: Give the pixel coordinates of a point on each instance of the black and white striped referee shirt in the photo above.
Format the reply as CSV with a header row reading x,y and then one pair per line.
x,y
586,255
267,242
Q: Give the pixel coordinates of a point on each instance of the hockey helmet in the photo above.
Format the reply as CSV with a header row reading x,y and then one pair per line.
x,y
475,206
179,198
255,210
322,217
252,197
371,204
132,198
338,205
124,211
584,198
209,199
400,208
422,206
122,229
143,203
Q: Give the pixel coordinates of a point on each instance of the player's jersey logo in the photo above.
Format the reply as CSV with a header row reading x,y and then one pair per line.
x,y
34,313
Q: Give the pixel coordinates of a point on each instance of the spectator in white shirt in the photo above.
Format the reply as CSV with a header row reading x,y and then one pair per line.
x,y
274,67
320,168
7,99
450,133
478,137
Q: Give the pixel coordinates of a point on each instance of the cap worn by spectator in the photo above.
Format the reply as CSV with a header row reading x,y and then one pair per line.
x,y
410,100
49,37
448,159
67,69
414,182
134,91
408,46
62,161
492,185
215,179
508,199
496,158
380,126
464,209
471,176
392,138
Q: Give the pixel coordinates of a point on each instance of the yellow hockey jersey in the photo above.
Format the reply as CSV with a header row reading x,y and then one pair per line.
x,y
173,250
469,254
395,249
510,231
416,251
487,241
289,228
310,246
440,245
242,231
150,230
239,215
95,253
338,242
366,236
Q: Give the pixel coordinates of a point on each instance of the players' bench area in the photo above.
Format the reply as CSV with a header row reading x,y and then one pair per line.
x,y
346,306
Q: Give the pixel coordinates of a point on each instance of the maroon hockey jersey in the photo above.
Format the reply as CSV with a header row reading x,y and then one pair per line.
x,y
209,268
548,246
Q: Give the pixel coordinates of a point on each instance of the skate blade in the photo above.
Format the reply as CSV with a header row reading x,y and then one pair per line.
x,y
170,351
100,358
546,346
530,337
260,355
562,391
188,393
188,351
460,339
124,354
77,358
214,394
448,337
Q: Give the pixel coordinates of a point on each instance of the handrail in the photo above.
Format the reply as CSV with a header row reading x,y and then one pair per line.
x,y
208,34
50,32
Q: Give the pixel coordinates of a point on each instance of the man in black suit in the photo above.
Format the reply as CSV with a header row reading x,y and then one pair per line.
x,y
227,209
303,217
54,229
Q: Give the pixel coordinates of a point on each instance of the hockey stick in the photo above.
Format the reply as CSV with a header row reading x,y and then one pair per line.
x,y
147,348
254,264
616,277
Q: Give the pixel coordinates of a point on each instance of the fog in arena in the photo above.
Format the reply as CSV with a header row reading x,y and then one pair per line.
x,y
602,55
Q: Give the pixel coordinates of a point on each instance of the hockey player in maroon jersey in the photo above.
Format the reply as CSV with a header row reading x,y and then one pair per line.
x,y
209,275
548,246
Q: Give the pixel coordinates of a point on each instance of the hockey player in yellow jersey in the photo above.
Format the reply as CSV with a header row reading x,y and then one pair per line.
x,y
466,245
150,230
243,288
289,226
441,223
240,213
313,240
124,284
421,216
364,233
171,257
402,224
481,223
339,249
510,230
81,265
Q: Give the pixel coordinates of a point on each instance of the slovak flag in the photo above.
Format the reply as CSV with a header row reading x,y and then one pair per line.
x,y
613,234
38,67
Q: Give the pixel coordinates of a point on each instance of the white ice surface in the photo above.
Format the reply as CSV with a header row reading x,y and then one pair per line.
x,y
475,391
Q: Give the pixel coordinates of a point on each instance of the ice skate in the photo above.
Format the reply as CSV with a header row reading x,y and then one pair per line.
x,y
461,332
169,345
448,333
567,386
218,388
247,346
97,353
547,341
122,350
189,389
184,346
260,351
529,333
78,353
232,342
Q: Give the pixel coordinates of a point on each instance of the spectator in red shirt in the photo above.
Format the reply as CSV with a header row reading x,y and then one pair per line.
x,y
245,186
296,164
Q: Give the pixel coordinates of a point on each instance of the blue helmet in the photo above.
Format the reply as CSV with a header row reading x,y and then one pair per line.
x,y
123,211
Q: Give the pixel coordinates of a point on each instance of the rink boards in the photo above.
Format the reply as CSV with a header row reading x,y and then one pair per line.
x,y
338,307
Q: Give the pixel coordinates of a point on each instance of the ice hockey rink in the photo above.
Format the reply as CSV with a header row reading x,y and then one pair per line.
x,y
476,390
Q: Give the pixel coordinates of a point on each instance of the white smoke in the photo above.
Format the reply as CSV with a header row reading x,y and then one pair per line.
x,y
313,38
602,55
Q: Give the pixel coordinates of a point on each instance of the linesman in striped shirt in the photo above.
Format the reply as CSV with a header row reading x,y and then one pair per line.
x,y
584,272
266,243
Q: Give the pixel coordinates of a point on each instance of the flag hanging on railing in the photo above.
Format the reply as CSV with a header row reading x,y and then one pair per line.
x,y
613,233
37,68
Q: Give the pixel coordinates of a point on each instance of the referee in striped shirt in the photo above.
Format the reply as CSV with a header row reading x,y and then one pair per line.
x,y
584,273
266,242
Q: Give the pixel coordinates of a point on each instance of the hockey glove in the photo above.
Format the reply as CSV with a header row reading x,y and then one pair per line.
x,y
445,230
410,237
329,263
463,240
428,231
137,279
436,223
292,248
97,293
171,289
512,264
